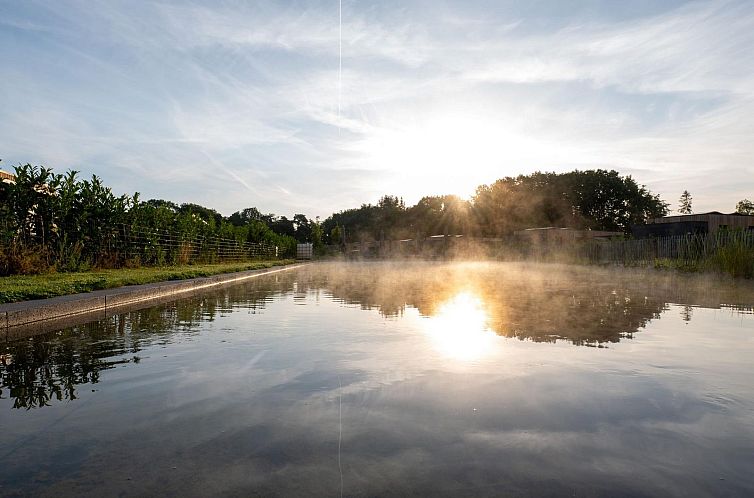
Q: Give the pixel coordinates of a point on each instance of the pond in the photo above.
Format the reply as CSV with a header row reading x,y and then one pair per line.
x,y
413,379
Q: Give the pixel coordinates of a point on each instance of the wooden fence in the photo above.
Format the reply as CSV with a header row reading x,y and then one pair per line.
x,y
690,248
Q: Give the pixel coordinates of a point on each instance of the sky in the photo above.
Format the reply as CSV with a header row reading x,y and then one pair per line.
x,y
275,104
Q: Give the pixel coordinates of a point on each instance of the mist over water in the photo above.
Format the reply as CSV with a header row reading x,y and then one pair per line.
x,y
419,378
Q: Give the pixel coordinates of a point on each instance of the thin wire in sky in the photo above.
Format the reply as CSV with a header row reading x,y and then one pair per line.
x,y
340,56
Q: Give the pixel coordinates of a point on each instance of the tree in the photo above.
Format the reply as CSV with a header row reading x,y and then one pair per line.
x,y
336,235
684,203
745,207
283,226
437,215
244,217
303,228
317,236
595,199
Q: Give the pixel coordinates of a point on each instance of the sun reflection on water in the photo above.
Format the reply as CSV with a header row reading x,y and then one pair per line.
x,y
460,328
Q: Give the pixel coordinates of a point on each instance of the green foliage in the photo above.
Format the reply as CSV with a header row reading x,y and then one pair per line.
x,y
595,199
317,235
335,235
386,220
246,216
50,221
684,203
16,259
21,287
745,206
62,223
736,258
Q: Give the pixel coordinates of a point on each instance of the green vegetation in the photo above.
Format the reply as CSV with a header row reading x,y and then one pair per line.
x,y
597,199
54,222
25,287
684,203
745,206
736,259
726,251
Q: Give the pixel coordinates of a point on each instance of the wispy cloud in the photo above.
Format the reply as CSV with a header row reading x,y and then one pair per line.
x,y
234,105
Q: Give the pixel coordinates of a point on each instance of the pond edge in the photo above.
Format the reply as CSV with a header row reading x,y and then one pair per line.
x,y
42,315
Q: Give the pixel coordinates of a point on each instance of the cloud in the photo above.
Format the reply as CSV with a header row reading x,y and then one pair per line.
x,y
160,88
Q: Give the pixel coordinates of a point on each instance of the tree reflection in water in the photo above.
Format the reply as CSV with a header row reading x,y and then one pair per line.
x,y
540,303
543,303
37,371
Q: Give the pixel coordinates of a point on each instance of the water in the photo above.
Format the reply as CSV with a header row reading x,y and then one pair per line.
x,y
405,379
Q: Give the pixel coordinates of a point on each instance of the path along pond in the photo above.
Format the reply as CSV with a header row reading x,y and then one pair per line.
x,y
367,379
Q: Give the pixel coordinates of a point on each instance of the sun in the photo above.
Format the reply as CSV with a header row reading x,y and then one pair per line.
x,y
446,153
459,330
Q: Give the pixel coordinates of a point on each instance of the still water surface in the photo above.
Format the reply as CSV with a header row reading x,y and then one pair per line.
x,y
405,379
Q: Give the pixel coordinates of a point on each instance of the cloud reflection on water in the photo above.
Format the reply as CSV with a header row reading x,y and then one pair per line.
x,y
238,390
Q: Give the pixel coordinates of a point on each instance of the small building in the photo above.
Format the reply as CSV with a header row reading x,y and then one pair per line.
x,y
556,235
693,223
6,177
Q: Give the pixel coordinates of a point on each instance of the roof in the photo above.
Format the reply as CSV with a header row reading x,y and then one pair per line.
x,y
711,213
571,232
5,176
697,217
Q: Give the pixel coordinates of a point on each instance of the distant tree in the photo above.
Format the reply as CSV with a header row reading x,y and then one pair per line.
x,y
336,235
369,222
605,200
302,228
157,203
202,212
745,207
317,236
283,226
437,215
596,199
593,199
684,203
243,217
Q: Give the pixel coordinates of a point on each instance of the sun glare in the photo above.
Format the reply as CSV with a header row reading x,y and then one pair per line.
x,y
467,151
459,330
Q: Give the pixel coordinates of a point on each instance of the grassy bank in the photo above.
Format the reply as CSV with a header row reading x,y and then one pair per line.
x,y
26,287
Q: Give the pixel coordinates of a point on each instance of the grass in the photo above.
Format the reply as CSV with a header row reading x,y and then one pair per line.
x,y
735,260
679,264
26,287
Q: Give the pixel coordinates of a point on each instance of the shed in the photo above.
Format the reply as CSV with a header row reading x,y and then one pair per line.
x,y
693,223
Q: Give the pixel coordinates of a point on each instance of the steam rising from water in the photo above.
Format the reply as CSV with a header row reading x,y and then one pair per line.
x,y
402,373
539,302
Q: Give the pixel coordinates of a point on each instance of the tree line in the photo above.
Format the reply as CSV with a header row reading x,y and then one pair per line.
x,y
59,221
593,199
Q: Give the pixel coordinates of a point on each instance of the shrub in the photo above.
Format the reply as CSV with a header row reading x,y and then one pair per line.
x,y
20,260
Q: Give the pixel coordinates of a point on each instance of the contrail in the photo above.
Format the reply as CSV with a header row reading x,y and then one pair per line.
x,y
340,56
340,90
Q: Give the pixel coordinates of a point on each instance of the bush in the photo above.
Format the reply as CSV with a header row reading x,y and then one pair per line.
x,y
18,260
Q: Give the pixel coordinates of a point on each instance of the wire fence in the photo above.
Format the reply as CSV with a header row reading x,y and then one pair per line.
x,y
83,246
149,246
